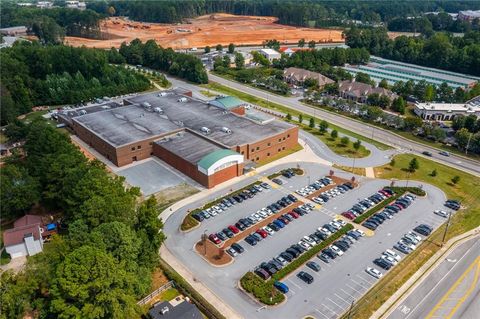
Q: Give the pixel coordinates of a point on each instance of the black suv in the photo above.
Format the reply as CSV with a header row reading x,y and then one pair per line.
x,y
305,277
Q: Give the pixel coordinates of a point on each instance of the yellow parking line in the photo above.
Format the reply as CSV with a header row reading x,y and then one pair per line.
x,y
461,300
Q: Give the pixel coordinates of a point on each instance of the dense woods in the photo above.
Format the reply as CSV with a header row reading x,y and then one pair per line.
x,y
34,75
313,13
102,263
151,55
51,25
429,23
441,50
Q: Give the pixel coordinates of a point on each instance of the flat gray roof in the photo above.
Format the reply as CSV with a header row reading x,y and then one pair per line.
x,y
132,123
188,146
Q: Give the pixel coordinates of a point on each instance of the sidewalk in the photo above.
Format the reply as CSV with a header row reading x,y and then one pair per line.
x,y
397,298
212,298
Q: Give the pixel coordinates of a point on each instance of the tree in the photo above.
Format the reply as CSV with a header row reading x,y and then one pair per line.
x,y
260,59
455,179
413,165
356,145
344,140
18,191
364,78
311,83
312,44
323,126
461,137
301,42
334,134
433,173
312,123
231,48
239,61
289,116
90,283
207,49
383,84
383,101
398,105
272,44
300,118
429,93
219,47
412,123
392,162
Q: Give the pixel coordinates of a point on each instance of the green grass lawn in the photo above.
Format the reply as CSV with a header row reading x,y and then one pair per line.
x,y
169,294
467,190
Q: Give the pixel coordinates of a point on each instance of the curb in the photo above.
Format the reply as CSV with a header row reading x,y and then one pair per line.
x,y
390,305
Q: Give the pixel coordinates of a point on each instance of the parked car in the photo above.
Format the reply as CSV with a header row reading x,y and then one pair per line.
x,y
306,277
232,252
277,181
281,286
214,239
374,272
313,265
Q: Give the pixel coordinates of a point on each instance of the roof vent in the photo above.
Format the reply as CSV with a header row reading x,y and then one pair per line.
x,y
146,105
226,130
182,99
164,310
205,130
158,109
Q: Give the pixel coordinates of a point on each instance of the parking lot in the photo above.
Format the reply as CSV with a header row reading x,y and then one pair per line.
x,y
337,284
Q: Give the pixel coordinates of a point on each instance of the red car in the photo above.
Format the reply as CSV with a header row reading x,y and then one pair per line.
x,y
348,215
214,239
262,233
234,229
294,215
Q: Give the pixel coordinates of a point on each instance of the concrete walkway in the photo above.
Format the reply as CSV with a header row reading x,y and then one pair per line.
x,y
401,294
370,172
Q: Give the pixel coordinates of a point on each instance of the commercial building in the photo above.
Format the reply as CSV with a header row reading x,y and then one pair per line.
x,y
468,15
177,308
210,142
296,76
447,111
270,54
14,31
394,71
359,92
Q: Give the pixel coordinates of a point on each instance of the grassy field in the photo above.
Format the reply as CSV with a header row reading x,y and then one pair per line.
x,y
356,170
467,190
207,93
283,109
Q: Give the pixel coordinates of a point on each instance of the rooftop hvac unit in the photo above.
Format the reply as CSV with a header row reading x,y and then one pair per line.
x,y
146,105
164,310
162,94
182,99
158,109
205,130
226,130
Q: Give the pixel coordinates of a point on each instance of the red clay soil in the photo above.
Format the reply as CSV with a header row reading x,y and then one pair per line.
x,y
214,254
205,30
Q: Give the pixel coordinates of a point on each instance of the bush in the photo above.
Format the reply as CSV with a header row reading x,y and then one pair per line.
x,y
334,134
264,291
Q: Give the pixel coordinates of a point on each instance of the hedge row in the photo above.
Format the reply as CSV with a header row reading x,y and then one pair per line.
x,y
264,291
399,192
297,171
185,288
306,256
189,222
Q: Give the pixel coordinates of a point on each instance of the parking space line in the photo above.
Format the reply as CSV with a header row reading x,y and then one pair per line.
x,y
363,279
358,283
336,304
324,306
357,291
348,294
321,313
290,281
339,297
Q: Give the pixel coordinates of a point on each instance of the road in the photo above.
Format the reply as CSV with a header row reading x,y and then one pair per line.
x,y
452,290
462,163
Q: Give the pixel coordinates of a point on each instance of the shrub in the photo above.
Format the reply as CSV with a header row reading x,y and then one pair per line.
x,y
264,291
334,134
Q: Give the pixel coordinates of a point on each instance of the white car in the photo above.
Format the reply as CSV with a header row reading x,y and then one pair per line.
x,y
268,230
324,230
412,238
392,254
374,272
411,233
389,259
308,240
337,250
212,212
408,244
340,221
262,213
281,260
257,216
335,225
361,232
305,245
441,213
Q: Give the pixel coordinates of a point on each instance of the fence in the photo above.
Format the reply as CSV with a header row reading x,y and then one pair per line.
x,y
155,293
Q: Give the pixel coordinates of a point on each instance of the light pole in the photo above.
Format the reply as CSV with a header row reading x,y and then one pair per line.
x,y
204,241
351,308
446,227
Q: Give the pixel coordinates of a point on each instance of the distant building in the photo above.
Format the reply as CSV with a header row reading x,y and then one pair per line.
x,y
14,31
25,4
270,54
394,71
298,76
25,238
359,92
178,308
73,4
447,111
469,15
44,4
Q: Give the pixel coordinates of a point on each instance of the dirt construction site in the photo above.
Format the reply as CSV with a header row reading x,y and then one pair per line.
x,y
205,30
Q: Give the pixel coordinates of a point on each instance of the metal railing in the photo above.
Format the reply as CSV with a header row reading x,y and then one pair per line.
x,y
155,293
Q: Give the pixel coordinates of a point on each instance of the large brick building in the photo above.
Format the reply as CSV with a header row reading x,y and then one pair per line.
x,y
205,141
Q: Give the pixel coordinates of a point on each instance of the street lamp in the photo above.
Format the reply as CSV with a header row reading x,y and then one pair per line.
x,y
446,227
351,308
204,242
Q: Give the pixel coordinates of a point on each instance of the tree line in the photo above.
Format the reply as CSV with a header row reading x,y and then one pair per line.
x,y
51,25
429,23
101,263
34,75
442,50
149,54
312,13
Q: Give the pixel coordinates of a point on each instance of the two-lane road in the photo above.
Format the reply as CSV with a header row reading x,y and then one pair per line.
x,y
462,163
